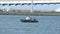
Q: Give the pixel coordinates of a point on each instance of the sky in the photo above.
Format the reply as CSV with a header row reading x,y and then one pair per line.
x,y
35,7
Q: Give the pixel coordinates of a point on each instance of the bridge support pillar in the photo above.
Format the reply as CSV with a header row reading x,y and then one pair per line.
x,y
31,5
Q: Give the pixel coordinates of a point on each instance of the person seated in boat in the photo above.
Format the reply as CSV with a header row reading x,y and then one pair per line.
x,y
27,18
34,19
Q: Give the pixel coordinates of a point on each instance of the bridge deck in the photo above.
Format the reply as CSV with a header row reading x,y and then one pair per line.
x,y
9,2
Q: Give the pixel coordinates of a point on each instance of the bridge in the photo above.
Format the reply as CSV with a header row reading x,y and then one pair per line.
x,y
28,2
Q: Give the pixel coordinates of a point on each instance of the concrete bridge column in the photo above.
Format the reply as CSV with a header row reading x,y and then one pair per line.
x,y
31,5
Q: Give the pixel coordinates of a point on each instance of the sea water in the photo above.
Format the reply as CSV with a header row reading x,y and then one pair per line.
x,y
11,24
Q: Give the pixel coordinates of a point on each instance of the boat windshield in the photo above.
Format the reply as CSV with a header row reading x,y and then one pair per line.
x,y
28,18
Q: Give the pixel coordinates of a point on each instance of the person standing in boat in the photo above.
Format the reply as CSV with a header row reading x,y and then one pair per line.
x,y
27,18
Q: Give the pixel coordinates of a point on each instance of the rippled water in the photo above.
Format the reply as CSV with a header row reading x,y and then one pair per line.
x,y
11,24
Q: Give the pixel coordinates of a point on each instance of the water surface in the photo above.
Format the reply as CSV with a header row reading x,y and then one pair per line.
x,y
11,24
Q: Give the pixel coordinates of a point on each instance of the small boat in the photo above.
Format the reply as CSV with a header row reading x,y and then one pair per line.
x,y
29,20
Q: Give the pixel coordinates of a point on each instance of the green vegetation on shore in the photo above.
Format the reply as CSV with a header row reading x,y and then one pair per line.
x,y
28,13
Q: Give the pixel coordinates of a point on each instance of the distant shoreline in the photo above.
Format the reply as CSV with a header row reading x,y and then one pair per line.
x,y
30,15
35,13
